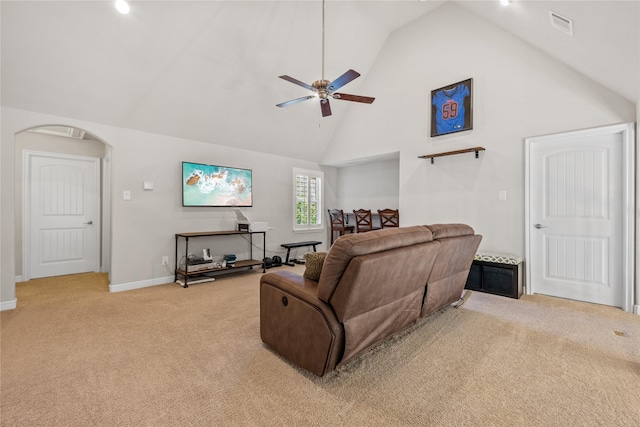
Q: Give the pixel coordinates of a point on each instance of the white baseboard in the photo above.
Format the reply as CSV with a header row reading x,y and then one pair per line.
x,y
636,309
142,284
18,279
8,305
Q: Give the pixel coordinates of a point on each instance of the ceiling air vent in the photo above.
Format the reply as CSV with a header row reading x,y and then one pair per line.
x,y
561,23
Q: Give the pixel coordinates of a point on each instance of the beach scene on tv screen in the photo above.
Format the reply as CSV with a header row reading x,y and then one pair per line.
x,y
208,185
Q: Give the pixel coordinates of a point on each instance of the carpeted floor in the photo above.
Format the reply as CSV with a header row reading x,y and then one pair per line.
x,y
72,354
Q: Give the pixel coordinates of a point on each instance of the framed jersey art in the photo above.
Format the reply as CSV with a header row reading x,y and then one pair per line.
x,y
452,108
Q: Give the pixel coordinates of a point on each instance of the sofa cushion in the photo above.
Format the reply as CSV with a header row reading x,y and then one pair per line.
x,y
381,293
352,245
449,275
374,280
313,264
498,258
441,231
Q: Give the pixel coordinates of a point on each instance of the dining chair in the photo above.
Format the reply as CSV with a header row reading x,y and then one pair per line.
x,y
336,218
389,218
364,220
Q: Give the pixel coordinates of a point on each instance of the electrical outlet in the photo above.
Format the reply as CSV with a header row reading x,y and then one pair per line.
x,y
165,260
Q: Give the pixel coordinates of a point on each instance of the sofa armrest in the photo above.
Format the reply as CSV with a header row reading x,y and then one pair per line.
x,y
293,283
297,325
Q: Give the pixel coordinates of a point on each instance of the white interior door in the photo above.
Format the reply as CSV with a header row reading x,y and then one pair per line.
x,y
62,214
577,217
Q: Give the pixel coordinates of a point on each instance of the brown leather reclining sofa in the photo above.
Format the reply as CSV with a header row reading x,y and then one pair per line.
x,y
372,286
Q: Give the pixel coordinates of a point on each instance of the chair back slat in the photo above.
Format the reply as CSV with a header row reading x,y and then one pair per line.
x,y
364,220
389,218
336,219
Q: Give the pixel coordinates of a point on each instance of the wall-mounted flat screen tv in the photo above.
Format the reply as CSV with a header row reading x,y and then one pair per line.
x,y
210,185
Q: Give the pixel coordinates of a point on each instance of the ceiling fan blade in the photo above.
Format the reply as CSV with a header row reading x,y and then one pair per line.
x,y
343,80
354,98
325,107
295,101
298,82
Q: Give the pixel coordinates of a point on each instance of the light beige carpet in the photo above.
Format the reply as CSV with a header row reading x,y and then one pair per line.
x,y
72,354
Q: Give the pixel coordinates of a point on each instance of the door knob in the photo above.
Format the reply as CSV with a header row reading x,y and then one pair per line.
x,y
539,226
90,222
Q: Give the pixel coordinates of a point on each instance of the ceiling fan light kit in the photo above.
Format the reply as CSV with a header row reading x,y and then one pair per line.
x,y
324,89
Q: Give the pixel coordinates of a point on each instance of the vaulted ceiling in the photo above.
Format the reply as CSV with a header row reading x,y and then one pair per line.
x,y
208,70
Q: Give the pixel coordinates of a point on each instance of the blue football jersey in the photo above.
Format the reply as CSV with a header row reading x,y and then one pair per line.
x,y
450,111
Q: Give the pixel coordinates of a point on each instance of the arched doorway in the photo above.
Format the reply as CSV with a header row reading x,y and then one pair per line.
x,y
60,143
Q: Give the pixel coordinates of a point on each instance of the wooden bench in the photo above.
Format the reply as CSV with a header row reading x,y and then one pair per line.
x,y
289,246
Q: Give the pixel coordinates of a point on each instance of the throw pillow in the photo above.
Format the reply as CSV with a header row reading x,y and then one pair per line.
x,y
313,265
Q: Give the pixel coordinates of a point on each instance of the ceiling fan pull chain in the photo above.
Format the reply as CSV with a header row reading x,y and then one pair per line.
x,y
322,39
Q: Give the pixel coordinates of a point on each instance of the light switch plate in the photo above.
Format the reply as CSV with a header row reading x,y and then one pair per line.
x,y
148,185
502,195
126,195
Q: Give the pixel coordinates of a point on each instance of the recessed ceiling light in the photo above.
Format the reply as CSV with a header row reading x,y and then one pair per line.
x,y
506,2
122,6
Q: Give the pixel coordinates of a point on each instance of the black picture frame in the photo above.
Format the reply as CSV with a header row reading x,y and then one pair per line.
x,y
452,108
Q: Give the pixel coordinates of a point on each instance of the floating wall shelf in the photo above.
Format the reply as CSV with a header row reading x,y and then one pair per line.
x,y
451,153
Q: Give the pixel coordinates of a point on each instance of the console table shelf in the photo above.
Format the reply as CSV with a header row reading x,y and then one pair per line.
x,y
451,153
238,264
201,274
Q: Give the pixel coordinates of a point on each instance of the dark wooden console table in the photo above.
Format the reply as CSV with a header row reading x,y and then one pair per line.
x,y
204,273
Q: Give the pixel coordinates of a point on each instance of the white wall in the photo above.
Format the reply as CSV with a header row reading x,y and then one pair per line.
x,y
143,228
518,92
372,185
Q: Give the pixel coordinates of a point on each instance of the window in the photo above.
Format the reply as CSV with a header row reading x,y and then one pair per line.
x,y
307,203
